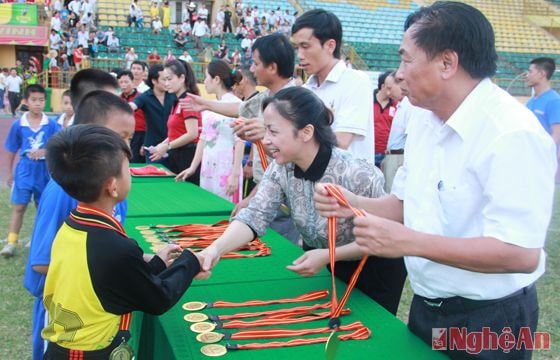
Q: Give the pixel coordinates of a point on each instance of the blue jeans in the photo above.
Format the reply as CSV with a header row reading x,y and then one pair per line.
x,y
1,99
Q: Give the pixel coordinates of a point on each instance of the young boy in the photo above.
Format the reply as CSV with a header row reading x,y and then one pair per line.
x,y
67,117
98,275
99,107
28,136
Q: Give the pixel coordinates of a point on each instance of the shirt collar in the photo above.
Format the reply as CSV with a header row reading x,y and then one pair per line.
x,y
461,120
317,168
25,122
334,75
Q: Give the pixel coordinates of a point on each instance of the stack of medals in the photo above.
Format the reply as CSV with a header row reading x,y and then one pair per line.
x,y
197,237
205,324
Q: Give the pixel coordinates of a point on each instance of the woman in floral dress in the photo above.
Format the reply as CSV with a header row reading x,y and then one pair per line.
x,y
219,152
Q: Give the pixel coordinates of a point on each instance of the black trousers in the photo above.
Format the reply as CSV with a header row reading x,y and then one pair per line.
x,y
135,145
13,98
381,279
181,158
515,311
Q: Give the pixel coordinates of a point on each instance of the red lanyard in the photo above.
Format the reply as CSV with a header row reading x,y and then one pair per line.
x,y
336,307
280,333
295,318
308,296
298,309
361,333
125,321
262,154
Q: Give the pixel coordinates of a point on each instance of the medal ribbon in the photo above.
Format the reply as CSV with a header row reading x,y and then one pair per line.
x,y
308,296
305,308
361,333
295,318
279,333
336,307
262,154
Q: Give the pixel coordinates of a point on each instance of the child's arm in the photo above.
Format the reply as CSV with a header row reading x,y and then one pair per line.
x,y
233,179
197,159
10,174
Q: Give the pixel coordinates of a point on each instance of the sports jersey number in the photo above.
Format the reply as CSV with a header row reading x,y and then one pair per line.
x,y
60,317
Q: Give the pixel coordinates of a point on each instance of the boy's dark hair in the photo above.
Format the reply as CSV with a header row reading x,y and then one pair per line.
x,y
276,48
325,26
81,158
153,74
34,88
449,25
88,80
67,93
546,64
125,73
98,105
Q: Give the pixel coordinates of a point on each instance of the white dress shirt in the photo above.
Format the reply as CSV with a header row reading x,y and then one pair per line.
x,y
348,93
488,171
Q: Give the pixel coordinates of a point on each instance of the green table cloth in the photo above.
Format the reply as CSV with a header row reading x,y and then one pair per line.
x,y
233,270
164,198
169,337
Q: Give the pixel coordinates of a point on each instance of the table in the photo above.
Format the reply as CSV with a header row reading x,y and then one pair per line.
x,y
168,336
171,338
168,198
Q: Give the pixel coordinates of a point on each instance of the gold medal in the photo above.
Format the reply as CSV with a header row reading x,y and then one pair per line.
x,y
122,352
147,232
194,306
213,350
151,237
209,337
202,327
142,227
195,317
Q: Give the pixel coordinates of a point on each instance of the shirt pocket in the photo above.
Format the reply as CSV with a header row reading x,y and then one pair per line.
x,y
459,204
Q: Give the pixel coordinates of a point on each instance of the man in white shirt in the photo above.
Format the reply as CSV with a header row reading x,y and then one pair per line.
x,y
13,86
200,29
75,6
55,22
317,36
2,87
475,192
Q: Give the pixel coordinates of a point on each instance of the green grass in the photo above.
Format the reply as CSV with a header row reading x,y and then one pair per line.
x,y
16,303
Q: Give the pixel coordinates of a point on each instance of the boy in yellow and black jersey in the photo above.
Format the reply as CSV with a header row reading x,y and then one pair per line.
x,y
98,275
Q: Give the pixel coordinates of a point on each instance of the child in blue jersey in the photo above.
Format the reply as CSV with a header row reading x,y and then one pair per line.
x,y
99,107
27,137
67,117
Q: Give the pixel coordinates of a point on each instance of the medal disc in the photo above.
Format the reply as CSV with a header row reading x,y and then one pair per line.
x,y
122,352
209,337
195,317
213,350
202,327
147,232
194,306
331,347
142,227
151,238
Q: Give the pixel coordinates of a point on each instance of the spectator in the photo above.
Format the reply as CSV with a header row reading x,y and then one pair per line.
x,y
203,13
139,15
13,86
130,57
2,88
200,30
180,39
131,19
227,20
154,12
113,44
186,28
56,23
129,93
55,40
78,55
157,25
186,57
139,69
154,58
101,36
383,113
170,56
166,11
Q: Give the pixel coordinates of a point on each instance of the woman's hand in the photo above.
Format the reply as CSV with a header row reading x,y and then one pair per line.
x,y
183,175
310,263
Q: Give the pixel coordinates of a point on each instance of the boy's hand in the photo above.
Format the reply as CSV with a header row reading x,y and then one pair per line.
x,y
10,179
203,274
36,154
169,252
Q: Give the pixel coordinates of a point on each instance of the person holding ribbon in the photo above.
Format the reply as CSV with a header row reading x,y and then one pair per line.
x,y
300,140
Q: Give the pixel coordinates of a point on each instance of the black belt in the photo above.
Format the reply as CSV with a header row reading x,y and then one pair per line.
x,y
395,151
457,304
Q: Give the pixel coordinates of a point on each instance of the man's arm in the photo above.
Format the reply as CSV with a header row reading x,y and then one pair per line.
x,y
343,139
556,137
198,103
